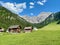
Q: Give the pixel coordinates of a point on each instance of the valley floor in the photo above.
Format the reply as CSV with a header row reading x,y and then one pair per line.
x,y
40,37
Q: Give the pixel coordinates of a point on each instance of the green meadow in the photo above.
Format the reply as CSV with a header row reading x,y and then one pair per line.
x,y
48,35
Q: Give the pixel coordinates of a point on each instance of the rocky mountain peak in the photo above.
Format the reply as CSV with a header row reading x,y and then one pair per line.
x,y
37,19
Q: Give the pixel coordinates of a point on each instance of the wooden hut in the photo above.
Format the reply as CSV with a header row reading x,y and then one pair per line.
x,y
14,29
28,29
1,29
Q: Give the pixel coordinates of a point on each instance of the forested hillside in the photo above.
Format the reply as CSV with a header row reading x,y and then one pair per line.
x,y
8,18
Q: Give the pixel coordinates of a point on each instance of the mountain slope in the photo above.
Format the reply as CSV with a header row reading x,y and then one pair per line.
x,y
8,18
57,16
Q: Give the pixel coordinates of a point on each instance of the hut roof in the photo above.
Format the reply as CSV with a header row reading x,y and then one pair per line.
x,y
14,26
28,28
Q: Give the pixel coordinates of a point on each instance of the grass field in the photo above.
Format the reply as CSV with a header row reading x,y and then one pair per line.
x,y
44,36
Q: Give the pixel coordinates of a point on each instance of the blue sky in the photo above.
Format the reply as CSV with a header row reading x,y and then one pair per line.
x,y
31,7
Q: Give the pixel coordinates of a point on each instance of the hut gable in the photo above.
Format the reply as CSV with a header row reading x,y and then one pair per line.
x,y
28,29
14,29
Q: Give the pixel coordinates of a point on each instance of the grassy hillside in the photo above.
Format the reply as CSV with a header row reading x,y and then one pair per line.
x,y
8,18
50,36
52,26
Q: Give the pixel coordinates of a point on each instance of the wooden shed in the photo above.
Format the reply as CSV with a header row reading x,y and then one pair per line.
x,y
14,29
28,29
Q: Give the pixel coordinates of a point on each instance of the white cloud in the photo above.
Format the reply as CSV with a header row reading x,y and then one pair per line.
x,y
21,5
40,3
44,1
31,7
15,8
32,14
31,3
